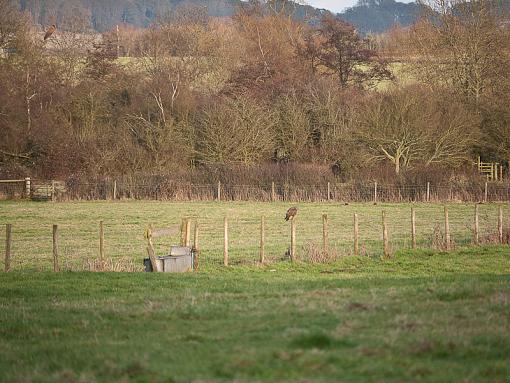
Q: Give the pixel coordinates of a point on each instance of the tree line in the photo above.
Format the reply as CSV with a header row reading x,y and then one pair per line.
x,y
261,88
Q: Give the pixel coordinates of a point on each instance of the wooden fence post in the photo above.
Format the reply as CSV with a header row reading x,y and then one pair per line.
x,y
27,187
101,245
486,192
446,229
114,190
187,233
183,232
52,191
262,239
385,236
273,192
428,191
218,193
196,248
292,240
413,227
325,233
375,192
150,250
55,248
329,191
8,241
356,235
225,241
500,225
477,229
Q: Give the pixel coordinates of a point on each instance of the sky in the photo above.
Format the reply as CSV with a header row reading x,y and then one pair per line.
x,y
337,5
332,5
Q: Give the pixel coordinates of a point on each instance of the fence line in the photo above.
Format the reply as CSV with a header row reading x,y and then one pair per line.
x,y
360,237
168,189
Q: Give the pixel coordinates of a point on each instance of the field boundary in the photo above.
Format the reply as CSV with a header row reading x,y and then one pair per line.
x,y
167,189
495,231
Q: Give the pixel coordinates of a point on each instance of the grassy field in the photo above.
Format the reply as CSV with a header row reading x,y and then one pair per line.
x,y
125,223
421,316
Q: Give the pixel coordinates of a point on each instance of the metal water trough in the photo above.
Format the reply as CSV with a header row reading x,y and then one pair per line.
x,y
180,260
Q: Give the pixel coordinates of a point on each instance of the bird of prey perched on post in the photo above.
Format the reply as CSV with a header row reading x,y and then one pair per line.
x,y
49,32
291,213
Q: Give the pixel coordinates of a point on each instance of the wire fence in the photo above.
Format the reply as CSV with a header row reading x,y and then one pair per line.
x,y
31,246
166,189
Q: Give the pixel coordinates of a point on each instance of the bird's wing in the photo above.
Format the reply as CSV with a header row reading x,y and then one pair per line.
x,y
49,32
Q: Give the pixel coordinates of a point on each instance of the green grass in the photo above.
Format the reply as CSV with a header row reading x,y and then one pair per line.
x,y
420,316
125,223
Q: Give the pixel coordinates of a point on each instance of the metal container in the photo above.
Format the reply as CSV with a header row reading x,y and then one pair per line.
x,y
177,263
180,260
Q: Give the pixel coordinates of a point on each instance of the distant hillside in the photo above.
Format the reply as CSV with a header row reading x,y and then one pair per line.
x,y
379,15
102,15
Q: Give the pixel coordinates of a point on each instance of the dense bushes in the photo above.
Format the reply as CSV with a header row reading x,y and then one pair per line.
x,y
261,97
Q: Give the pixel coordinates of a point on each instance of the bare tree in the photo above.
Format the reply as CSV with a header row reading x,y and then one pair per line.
x,y
410,127
235,130
336,47
463,44
269,65
332,114
293,131
14,28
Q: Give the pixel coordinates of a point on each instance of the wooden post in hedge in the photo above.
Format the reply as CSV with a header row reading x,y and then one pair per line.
x,y
486,192
8,240
446,229
375,192
329,191
218,193
27,187
55,248
428,191
413,228
273,192
476,231
356,235
225,241
262,239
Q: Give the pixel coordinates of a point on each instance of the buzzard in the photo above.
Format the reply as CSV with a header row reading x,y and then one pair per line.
x,y
50,31
291,213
